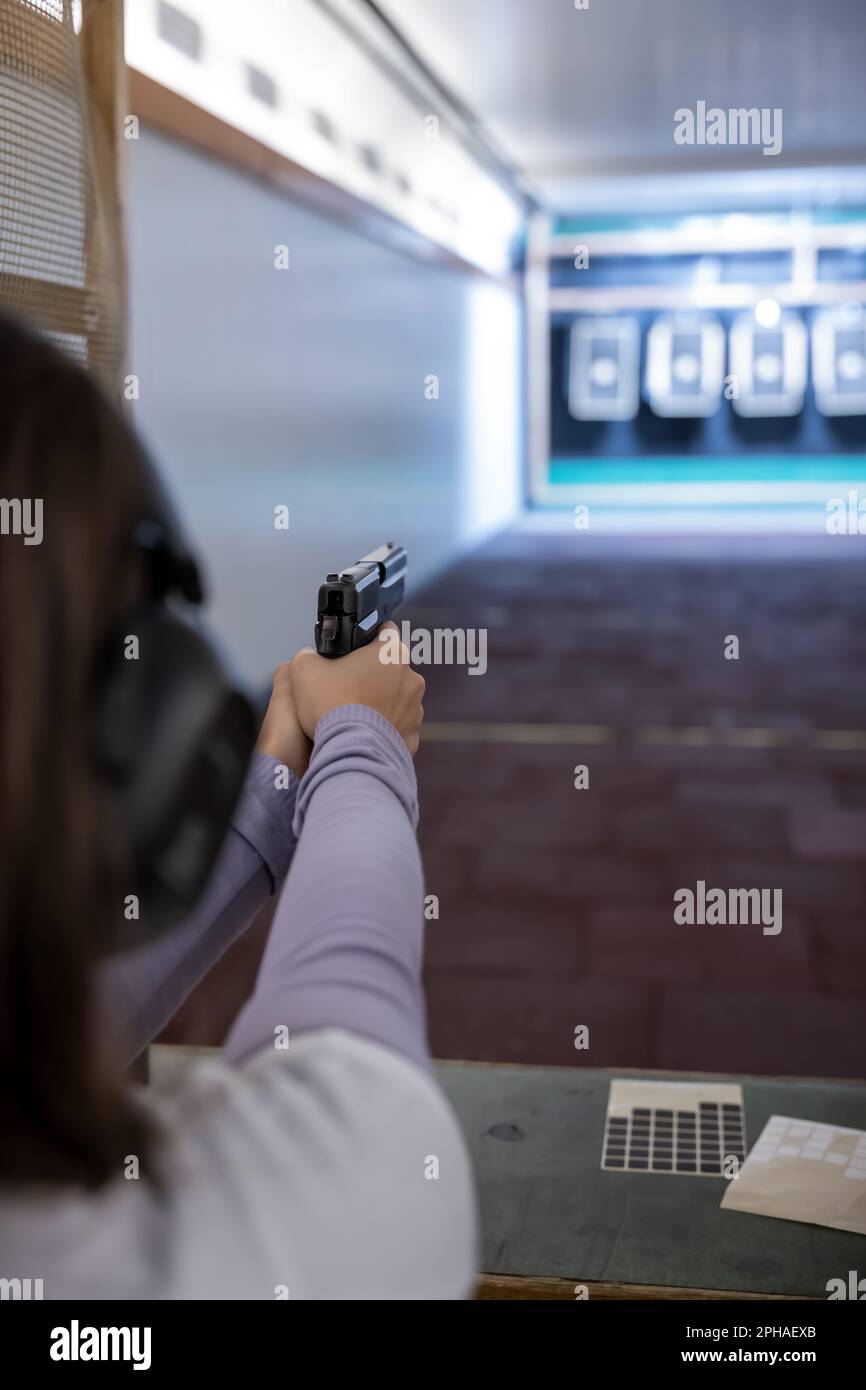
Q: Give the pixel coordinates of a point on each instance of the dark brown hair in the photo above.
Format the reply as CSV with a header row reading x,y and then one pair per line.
x,y
65,1114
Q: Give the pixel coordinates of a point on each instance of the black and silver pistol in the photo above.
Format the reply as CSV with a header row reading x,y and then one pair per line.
x,y
355,602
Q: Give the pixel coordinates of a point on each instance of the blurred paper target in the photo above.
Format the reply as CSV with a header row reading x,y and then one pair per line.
x,y
839,360
685,366
604,364
768,354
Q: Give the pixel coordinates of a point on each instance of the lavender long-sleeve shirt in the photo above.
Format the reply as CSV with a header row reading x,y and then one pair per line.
x,y
345,948
332,1169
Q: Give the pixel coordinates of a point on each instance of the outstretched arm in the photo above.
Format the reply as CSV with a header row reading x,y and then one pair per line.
x,y
144,988
363,1162
345,948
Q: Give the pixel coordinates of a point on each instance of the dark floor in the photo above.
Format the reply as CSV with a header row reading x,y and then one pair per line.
x,y
556,905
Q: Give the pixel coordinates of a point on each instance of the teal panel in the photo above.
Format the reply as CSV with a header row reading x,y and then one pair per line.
x,y
624,222
709,468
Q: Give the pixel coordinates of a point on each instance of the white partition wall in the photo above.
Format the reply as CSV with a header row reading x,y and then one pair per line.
x,y
375,397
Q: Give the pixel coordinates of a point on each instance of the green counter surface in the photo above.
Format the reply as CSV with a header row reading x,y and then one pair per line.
x,y
548,1209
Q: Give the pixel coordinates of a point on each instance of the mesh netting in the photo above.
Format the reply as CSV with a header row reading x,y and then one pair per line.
x,y
60,262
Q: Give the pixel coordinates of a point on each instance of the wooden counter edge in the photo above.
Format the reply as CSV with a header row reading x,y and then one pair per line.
x,y
498,1287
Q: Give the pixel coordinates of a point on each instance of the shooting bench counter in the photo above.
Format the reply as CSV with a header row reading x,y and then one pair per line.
x,y
552,1219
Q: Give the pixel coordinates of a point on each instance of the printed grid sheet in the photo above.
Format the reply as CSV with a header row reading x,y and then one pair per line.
x,y
784,1138
673,1127
801,1170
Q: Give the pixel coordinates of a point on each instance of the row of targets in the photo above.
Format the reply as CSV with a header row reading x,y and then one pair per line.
x,y
686,374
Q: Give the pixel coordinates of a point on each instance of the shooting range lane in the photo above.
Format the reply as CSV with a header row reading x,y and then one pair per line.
x,y
556,905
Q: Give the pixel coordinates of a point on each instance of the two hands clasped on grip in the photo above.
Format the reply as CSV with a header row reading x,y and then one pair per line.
x,y
309,685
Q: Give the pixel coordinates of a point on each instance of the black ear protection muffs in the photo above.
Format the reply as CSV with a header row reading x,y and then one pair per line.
x,y
171,730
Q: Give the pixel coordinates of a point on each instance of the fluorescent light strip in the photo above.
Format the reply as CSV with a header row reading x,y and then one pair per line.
x,y
317,68
702,296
